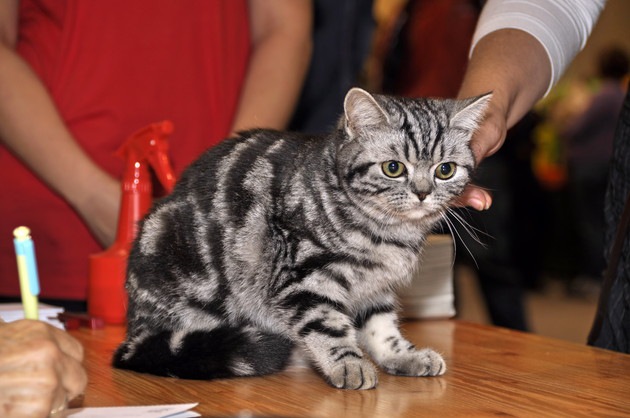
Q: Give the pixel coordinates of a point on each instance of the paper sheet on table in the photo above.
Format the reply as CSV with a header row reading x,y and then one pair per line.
x,y
152,411
10,312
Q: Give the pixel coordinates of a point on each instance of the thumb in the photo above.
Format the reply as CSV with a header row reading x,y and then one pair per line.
x,y
475,197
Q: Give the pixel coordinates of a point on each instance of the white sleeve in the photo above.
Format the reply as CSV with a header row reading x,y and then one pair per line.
x,y
561,26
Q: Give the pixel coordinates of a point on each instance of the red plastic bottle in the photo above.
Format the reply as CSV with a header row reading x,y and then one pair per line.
x,y
107,297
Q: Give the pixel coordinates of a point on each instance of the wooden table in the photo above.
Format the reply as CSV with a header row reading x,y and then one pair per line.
x,y
492,371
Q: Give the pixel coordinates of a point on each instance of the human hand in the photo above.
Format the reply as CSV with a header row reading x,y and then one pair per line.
x,y
487,140
515,67
40,369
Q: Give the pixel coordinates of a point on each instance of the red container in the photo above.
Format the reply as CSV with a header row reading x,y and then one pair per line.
x,y
107,297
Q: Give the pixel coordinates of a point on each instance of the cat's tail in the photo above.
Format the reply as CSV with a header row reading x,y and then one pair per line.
x,y
218,353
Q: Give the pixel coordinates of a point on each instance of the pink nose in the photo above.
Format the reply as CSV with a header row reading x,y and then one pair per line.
x,y
422,196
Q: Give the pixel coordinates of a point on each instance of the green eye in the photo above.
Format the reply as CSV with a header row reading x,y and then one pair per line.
x,y
445,171
393,169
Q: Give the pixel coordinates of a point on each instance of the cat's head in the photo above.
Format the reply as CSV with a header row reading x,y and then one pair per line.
x,y
406,159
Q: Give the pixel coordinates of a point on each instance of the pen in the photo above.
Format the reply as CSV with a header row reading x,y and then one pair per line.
x,y
27,270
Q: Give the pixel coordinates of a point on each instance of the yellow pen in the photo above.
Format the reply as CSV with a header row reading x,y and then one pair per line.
x,y
27,270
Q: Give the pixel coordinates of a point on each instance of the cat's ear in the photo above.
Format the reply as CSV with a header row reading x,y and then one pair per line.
x,y
362,111
471,113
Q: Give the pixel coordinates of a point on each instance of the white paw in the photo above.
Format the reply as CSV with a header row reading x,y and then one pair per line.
x,y
424,362
354,373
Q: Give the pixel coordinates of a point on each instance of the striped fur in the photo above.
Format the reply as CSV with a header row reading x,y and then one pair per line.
x,y
277,240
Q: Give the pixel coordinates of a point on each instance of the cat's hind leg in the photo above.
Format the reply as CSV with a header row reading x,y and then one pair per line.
x,y
205,354
381,337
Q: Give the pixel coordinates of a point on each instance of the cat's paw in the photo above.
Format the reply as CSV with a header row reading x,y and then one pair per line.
x,y
354,373
424,362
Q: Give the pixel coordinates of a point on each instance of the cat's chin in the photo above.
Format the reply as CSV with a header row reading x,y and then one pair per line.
x,y
421,216
416,215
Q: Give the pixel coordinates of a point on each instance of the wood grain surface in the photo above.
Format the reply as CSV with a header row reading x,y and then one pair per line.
x,y
491,371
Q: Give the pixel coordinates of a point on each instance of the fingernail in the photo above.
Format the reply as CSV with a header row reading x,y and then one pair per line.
x,y
477,204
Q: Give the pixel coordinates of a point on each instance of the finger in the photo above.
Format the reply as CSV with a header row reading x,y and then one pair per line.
x,y
27,393
28,407
32,333
67,344
487,141
72,376
475,197
490,135
59,403
36,391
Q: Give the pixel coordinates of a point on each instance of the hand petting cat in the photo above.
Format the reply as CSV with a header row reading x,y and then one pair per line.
x,y
515,67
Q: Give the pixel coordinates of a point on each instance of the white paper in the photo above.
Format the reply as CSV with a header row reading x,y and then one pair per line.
x,y
10,312
152,411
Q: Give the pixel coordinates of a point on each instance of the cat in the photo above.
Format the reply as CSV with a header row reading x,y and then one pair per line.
x,y
275,240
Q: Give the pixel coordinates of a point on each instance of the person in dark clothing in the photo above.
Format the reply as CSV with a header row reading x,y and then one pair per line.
x,y
342,37
611,327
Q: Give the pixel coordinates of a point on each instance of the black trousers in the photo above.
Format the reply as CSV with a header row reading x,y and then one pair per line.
x,y
509,258
611,328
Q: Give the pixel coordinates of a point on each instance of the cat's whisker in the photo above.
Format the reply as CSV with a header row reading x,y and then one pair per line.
x,y
472,231
452,228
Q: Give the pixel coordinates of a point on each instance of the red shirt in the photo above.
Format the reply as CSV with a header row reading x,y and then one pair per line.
x,y
113,67
437,39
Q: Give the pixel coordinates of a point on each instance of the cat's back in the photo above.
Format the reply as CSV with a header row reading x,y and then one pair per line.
x,y
238,156
228,179
220,205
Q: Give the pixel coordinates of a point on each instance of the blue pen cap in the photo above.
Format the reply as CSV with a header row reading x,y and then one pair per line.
x,y
24,247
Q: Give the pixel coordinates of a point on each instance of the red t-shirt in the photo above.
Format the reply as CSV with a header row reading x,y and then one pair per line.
x,y
113,67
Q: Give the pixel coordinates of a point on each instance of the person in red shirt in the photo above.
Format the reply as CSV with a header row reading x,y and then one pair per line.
x,y
78,77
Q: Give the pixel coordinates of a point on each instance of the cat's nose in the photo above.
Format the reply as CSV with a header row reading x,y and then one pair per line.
x,y
421,188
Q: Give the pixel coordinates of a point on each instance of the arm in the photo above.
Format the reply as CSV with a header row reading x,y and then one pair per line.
x,y
281,51
520,50
31,127
40,369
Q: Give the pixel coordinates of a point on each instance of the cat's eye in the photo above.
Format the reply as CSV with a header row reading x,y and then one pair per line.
x,y
393,169
445,171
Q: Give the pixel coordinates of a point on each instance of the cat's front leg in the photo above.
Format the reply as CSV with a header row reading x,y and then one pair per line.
x,y
331,341
381,337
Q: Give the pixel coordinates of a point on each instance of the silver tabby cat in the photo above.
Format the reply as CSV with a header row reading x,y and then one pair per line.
x,y
277,240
